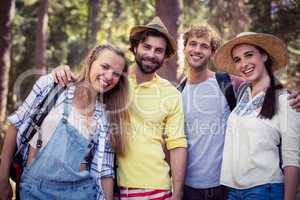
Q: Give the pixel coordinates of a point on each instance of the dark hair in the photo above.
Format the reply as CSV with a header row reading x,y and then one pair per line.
x,y
269,107
139,37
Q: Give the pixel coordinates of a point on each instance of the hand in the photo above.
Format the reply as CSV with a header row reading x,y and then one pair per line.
x,y
294,100
5,190
63,75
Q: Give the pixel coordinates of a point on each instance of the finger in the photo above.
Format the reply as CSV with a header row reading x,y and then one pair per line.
x,y
54,76
292,102
60,80
69,75
73,77
292,95
64,77
296,104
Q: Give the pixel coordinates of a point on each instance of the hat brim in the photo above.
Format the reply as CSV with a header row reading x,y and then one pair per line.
x,y
271,44
171,41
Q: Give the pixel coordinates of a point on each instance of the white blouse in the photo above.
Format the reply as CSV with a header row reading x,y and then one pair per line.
x,y
251,149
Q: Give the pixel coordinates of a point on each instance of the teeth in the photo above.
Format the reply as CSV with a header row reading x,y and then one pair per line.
x,y
248,70
103,83
196,57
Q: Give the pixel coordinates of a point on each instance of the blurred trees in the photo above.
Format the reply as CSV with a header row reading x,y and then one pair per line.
x,y
169,12
41,36
6,17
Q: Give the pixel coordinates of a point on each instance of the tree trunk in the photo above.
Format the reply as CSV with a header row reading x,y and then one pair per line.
x,y
41,38
93,23
169,12
7,8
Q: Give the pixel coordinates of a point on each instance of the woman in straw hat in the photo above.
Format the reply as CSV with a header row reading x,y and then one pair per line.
x,y
262,143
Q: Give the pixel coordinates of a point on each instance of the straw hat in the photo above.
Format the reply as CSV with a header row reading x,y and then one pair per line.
x,y
156,24
271,44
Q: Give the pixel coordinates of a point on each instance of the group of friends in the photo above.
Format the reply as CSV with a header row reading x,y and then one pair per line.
x,y
115,122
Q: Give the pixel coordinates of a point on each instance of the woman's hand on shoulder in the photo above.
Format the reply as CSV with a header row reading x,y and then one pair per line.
x,y
294,100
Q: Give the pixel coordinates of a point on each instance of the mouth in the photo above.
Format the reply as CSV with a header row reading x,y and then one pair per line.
x,y
102,82
248,71
149,62
196,57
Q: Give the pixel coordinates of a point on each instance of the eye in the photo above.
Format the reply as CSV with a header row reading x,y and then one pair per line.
x,y
159,50
192,43
117,74
248,55
105,67
146,46
205,46
236,60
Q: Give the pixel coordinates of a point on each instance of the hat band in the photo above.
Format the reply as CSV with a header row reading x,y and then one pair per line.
x,y
156,26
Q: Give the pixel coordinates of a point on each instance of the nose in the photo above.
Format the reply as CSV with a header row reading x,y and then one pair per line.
x,y
109,75
151,53
197,48
244,63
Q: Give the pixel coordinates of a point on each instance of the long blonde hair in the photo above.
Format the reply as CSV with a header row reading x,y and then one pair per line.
x,y
115,100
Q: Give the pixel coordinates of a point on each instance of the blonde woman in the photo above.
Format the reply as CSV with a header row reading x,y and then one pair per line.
x,y
262,129
78,135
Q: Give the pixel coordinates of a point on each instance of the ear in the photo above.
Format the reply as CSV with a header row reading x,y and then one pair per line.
x,y
264,57
134,50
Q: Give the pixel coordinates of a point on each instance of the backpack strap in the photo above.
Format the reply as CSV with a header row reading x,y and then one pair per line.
x,y
182,84
42,111
225,85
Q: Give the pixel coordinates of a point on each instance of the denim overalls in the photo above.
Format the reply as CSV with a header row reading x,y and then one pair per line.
x,y
55,171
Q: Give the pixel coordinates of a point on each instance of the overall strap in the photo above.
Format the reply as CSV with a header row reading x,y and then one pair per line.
x,y
68,103
225,85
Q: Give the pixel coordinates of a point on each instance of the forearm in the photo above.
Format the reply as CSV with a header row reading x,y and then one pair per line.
x,y
291,182
7,151
107,184
178,166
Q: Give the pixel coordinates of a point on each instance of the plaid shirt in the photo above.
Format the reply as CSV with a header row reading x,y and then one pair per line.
x,y
103,160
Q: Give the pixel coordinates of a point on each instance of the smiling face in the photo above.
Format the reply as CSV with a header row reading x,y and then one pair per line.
x,y
249,62
198,52
150,54
106,70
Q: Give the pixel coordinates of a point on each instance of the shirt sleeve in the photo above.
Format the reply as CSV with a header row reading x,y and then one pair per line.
x,y
108,161
174,125
290,133
20,115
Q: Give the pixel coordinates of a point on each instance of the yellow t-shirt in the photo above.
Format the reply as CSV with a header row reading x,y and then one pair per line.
x,y
155,110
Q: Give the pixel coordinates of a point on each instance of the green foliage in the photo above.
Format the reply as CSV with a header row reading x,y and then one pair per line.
x,y
67,27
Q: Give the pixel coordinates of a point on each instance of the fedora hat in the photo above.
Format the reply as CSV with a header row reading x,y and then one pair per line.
x,y
271,44
156,24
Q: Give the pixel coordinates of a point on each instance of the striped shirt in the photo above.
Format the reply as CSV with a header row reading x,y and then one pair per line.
x,y
102,163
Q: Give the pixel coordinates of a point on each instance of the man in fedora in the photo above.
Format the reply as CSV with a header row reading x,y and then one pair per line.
x,y
156,120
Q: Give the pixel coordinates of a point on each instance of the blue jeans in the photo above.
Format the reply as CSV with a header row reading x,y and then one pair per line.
x,y
272,191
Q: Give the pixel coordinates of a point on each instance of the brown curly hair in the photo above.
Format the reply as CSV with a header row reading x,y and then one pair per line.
x,y
203,30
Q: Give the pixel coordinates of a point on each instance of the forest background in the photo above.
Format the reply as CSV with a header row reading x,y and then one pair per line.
x,y
38,35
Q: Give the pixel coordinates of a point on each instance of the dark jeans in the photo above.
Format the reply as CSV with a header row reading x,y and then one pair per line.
x,y
215,193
